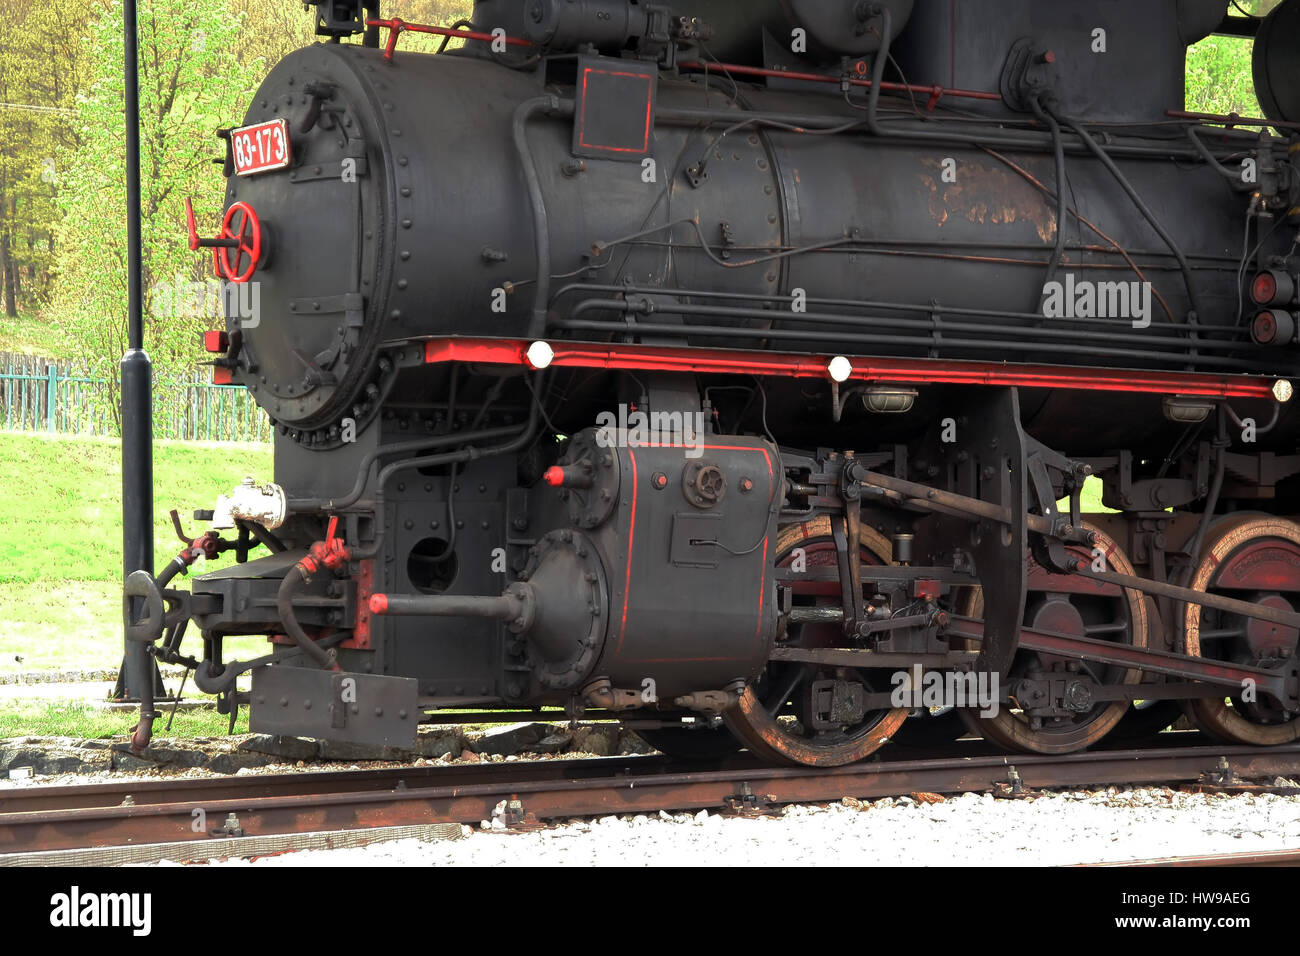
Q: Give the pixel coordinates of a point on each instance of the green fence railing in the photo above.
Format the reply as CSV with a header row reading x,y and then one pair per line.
x,y
43,395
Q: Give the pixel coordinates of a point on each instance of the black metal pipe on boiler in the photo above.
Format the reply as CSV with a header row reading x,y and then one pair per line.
x,y
522,438
423,445
288,589
997,135
1141,206
869,342
554,106
1062,206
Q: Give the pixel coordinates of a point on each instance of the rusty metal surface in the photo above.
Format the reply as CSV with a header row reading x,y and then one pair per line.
x,y
152,790
313,802
1264,858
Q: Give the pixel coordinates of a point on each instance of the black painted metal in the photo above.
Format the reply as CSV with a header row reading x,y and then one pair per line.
x,y
138,669
1276,61
846,217
357,708
489,194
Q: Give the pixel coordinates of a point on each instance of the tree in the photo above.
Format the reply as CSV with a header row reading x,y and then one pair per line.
x,y
274,28
191,83
1220,78
42,67
269,30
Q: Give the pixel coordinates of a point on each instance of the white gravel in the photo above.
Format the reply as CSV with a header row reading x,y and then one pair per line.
x,y
1052,829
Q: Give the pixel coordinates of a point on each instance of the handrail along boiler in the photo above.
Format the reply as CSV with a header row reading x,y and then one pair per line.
x,y
730,368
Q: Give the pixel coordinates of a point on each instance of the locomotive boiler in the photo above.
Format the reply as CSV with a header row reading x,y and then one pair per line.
x,y
736,370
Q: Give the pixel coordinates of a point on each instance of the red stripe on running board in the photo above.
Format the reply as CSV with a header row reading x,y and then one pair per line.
x,y
882,370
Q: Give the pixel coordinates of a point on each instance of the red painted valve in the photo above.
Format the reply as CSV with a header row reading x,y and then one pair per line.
x,y
239,242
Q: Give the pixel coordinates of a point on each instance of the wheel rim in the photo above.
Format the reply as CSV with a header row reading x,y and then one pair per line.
x,y
772,717
1258,560
1106,612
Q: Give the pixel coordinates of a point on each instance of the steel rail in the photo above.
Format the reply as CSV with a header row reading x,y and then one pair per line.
x,y
1259,858
562,789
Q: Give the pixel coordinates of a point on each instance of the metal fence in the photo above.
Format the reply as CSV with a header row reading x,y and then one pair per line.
x,y
45,395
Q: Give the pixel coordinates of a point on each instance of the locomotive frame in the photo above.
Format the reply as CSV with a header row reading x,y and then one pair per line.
x,y
872,485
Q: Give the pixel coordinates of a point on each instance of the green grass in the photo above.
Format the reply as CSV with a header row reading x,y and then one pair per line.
x,y
34,335
61,513
1090,500
61,540
86,722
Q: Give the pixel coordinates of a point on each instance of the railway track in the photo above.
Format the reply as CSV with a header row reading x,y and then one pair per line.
x,y
1268,858
201,818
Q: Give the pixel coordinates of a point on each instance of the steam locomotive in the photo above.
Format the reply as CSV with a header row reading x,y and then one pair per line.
x,y
736,370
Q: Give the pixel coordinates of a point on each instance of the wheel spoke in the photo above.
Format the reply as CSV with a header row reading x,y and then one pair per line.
x,y
759,723
1120,617
1087,668
1223,634
776,701
1254,558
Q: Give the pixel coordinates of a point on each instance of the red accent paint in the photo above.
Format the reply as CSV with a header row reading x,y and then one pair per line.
x,y
683,660
762,582
649,112
397,26
332,553
1264,289
926,588
631,534
261,148
222,375
881,370
191,226
554,476
216,341
481,351
249,240
1267,564
935,93
360,639
378,604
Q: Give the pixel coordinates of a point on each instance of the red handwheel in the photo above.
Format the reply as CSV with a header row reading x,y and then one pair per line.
x,y
247,244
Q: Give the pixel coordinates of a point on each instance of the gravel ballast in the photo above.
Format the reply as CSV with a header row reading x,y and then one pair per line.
x,y
45,761
1048,830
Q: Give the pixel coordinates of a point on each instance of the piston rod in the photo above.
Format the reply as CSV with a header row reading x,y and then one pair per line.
x,y
514,608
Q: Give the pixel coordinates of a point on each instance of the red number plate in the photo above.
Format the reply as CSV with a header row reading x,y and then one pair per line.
x,y
261,148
